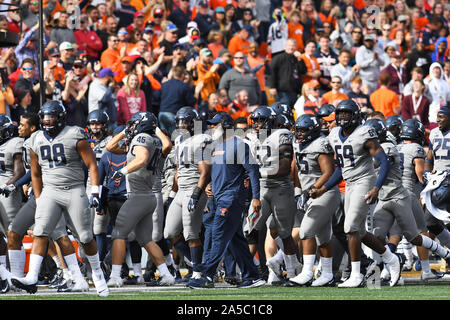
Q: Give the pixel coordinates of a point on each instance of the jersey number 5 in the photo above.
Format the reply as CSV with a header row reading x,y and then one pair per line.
x,y
54,155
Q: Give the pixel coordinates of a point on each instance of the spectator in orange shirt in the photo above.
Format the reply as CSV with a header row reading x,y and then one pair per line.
x,y
239,106
240,41
111,57
207,75
214,105
215,42
255,61
295,29
328,12
335,95
385,100
312,65
58,72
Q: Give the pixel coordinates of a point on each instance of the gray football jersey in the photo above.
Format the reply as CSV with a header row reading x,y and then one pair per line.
x,y
440,144
267,155
355,161
7,152
306,160
26,155
392,186
141,181
408,152
157,184
58,156
189,152
169,170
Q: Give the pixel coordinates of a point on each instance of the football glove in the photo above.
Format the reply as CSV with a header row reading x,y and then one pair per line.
x,y
94,201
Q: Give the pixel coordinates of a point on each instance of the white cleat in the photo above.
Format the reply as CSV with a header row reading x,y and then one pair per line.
x,y
394,269
275,266
325,280
303,279
385,275
432,275
115,282
100,284
140,280
355,281
166,280
272,278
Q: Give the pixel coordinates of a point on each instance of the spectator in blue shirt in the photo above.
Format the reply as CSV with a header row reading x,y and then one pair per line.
x,y
181,17
175,94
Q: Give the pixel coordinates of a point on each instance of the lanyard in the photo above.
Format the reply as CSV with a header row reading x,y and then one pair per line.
x,y
399,74
416,105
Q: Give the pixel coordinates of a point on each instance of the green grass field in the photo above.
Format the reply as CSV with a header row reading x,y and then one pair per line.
x,y
410,292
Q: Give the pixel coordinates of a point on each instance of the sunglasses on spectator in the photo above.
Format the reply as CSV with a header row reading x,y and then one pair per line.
x,y
78,66
239,57
336,82
158,15
357,32
27,68
316,89
115,40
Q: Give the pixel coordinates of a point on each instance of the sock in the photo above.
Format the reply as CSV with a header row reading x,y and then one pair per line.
x,y
115,270
392,247
279,256
135,252
290,265
256,261
182,247
308,263
3,259
72,263
356,268
444,238
57,262
387,255
94,261
16,264
137,269
66,274
196,254
425,265
34,267
101,245
163,271
4,274
407,251
279,242
168,259
434,247
163,245
327,265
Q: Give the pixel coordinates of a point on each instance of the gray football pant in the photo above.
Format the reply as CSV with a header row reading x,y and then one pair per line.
x,y
24,220
73,203
419,217
136,214
317,221
280,202
179,219
355,207
158,218
9,207
386,211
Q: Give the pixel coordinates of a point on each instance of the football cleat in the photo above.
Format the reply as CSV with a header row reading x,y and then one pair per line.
x,y
233,280
395,269
24,284
57,283
273,279
252,283
115,282
78,286
325,280
385,275
303,279
408,265
370,269
432,275
4,286
166,280
100,284
355,281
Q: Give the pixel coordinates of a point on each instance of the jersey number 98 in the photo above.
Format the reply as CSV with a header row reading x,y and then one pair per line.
x,y
54,155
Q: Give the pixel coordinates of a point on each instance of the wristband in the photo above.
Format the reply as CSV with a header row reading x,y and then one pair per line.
x,y
264,174
95,189
197,193
124,171
297,191
172,194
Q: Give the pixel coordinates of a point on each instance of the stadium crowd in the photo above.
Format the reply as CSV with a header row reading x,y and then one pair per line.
x,y
106,61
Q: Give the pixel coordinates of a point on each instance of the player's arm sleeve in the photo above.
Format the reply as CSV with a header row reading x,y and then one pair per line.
x,y
102,169
253,171
382,159
25,179
335,178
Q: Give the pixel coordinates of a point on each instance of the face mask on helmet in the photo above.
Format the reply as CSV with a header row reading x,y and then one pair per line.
x,y
346,119
49,123
96,132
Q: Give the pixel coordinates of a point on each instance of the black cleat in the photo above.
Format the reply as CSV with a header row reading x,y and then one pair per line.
x,y
30,288
4,286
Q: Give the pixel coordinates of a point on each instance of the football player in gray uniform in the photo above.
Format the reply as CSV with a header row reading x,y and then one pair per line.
x,y
56,154
273,151
136,214
314,166
97,128
185,213
438,160
394,201
355,145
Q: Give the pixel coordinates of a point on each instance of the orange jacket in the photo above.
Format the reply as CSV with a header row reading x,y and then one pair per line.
x,y
260,74
385,101
296,32
237,44
210,81
311,65
332,98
